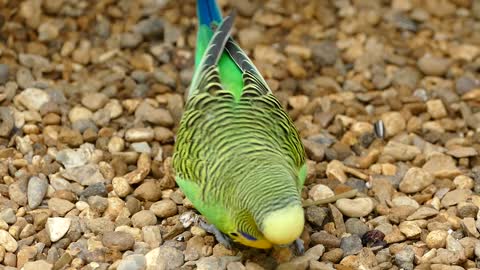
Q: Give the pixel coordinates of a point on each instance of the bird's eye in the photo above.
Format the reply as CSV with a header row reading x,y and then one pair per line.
x,y
248,236
234,234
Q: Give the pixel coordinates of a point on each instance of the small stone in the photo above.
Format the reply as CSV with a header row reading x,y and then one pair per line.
x,y
416,179
334,255
144,218
116,144
164,257
410,229
394,123
469,227
120,241
401,151
149,191
132,262
405,201
36,265
139,134
33,98
356,226
130,40
462,152
314,150
351,245
8,121
422,213
358,207
433,66
57,227
7,241
436,108
100,225
141,147
36,190
441,166
121,186
8,215
455,196
319,192
60,206
79,113
156,116
325,239
315,215
72,158
152,236
84,175
436,239
4,73
164,208
467,209
94,101
405,257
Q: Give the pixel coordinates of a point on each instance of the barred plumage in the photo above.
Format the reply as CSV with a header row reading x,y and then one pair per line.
x,y
238,156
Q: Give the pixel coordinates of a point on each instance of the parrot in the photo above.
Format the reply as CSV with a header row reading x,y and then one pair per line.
x,y
238,157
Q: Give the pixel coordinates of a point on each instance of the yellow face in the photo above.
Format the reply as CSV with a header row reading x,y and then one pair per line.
x,y
248,240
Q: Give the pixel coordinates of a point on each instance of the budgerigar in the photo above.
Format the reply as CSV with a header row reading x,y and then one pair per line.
x,y
238,157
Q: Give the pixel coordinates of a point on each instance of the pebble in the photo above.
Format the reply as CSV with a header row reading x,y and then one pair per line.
x,y
405,257
433,66
416,179
79,113
36,191
8,215
94,101
410,229
358,207
164,208
60,206
423,212
441,166
8,121
85,175
356,226
405,201
316,215
394,123
120,241
436,239
41,264
400,151
57,227
100,225
319,192
121,186
455,196
351,245
164,257
33,98
149,191
132,262
4,73
72,158
7,241
144,218
139,134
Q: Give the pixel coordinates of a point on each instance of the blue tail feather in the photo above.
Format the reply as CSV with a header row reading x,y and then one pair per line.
x,y
208,12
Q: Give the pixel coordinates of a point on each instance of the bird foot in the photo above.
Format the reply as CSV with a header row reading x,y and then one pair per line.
x,y
221,237
299,247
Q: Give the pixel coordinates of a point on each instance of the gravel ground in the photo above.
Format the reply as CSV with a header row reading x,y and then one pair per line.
x,y
91,93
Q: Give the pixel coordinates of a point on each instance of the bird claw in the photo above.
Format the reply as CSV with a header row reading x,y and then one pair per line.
x,y
221,237
299,247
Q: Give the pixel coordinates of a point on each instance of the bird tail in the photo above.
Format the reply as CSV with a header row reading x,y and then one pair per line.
x,y
208,12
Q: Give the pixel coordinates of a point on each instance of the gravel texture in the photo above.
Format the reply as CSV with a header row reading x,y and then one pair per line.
x,y
91,93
